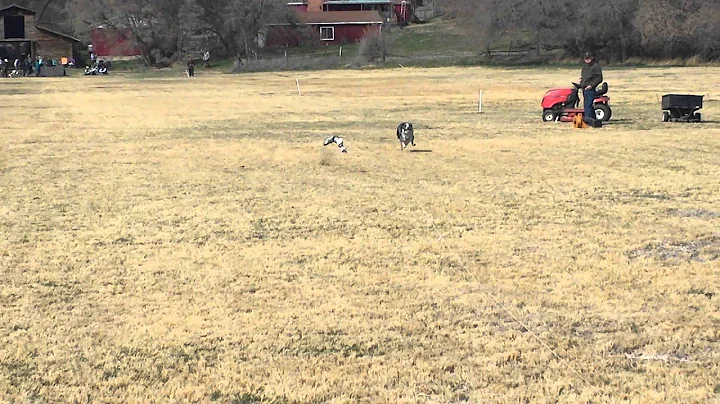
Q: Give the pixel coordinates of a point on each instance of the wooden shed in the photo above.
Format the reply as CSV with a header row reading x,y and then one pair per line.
x,y
22,36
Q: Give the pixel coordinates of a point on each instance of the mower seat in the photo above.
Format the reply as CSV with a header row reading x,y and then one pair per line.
x,y
601,90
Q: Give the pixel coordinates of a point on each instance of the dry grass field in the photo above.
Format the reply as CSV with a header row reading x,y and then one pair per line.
x,y
172,240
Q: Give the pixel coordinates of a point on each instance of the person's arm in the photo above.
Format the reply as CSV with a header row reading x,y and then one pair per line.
x,y
597,77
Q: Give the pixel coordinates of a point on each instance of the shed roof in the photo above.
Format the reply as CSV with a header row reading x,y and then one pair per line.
x,y
335,2
15,9
340,17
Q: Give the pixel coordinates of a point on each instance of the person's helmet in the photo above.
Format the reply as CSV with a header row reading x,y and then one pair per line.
x,y
589,55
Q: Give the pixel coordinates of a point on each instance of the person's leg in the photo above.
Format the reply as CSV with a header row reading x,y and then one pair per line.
x,y
588,99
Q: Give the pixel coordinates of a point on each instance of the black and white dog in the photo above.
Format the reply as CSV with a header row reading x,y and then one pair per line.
x,y
340,142
405,135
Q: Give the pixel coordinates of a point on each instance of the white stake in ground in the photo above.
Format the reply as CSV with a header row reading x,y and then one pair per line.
x,y
480,102
297,81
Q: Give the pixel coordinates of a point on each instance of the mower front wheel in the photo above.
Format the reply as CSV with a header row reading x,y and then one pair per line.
x,y
602,112
549,115
666,116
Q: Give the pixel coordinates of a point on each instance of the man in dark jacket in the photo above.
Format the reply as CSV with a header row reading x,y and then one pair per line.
x,y
591,77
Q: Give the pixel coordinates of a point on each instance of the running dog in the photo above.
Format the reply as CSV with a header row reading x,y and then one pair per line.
x,y
340,142
405,135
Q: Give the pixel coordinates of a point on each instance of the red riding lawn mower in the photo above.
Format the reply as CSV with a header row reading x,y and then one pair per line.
x,y
562,104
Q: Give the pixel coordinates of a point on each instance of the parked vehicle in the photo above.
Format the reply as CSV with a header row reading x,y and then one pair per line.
x,y
681,108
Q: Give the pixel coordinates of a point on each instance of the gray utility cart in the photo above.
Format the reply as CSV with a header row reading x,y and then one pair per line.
x,y
681,108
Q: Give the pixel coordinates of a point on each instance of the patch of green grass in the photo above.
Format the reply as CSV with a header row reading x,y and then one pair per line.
x,y
432,38
128,65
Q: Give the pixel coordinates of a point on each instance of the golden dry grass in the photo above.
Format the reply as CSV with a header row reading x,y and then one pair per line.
x,y
186,240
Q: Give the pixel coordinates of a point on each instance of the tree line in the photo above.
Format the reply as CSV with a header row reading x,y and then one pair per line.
x,y
616,29
163,30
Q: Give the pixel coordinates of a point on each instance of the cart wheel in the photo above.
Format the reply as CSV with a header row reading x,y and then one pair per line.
x,y
666,116
698,117
549,115
602,112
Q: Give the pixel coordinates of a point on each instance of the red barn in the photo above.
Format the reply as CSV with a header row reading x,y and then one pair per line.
x,y
338,27
332,28
113,42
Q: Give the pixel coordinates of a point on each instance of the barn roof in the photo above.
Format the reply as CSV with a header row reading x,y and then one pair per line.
x,y
339,17
302,2
14,9
56,33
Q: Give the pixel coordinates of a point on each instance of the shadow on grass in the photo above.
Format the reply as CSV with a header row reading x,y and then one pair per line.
x,y
629,121
421,151
620,122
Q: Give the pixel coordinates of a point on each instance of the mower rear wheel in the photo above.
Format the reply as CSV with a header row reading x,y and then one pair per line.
x,y
549,115
666,116
602,112
698,117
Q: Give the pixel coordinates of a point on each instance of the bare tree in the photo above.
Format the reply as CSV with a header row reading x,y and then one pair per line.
x,y
680,28
155,26
617,29
238,23
606,27
49,12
